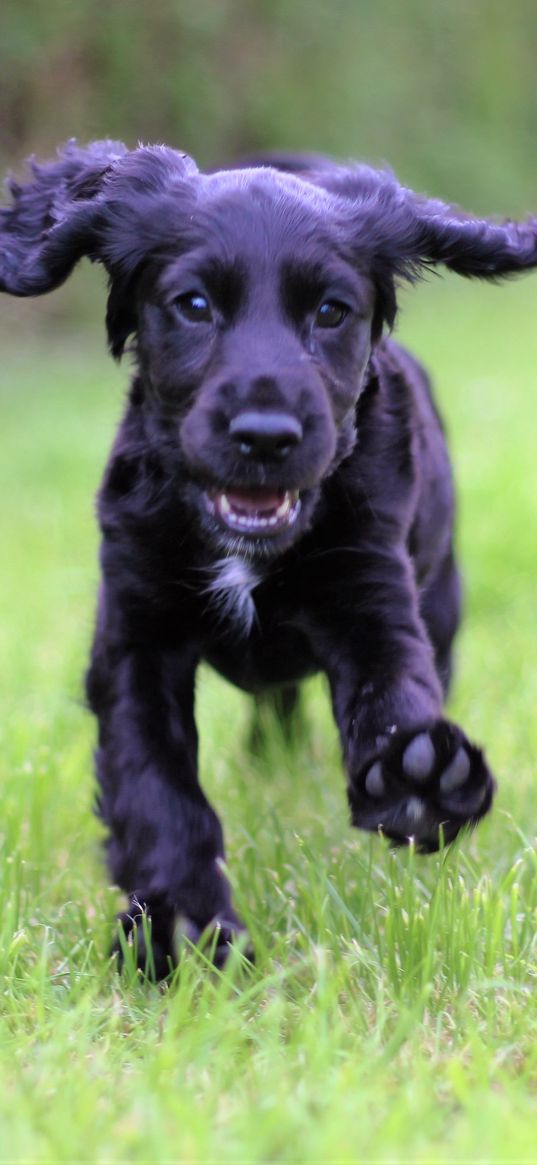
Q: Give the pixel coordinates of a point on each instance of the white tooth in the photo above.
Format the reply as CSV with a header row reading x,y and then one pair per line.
x,y
284,507
224,505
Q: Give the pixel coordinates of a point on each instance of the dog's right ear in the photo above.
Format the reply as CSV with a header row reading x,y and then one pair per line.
x,y
56,218
48,228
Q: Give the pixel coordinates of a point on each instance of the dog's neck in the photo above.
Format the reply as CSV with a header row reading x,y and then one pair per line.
x,y
229,589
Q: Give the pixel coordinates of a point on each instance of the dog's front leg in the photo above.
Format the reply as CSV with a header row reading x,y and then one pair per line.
x,y
166,846
411,773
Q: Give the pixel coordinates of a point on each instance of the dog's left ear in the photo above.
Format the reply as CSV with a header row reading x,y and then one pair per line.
x,y
404,234
412,232
60,215
471,246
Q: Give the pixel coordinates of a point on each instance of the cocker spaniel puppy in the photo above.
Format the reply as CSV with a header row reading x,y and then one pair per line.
x,y
278,500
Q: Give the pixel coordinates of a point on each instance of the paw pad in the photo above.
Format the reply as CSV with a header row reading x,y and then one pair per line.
x,y
457,772
423,786
419,757
373,782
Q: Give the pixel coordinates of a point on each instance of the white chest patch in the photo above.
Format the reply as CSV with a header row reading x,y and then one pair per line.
x,y
230,591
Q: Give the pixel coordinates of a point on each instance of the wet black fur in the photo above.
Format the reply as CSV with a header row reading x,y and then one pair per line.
x,y
363,586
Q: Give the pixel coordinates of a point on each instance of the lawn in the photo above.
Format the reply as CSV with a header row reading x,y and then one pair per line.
x,y
392,1011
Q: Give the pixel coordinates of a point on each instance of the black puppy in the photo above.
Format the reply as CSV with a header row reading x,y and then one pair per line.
x,y
278,500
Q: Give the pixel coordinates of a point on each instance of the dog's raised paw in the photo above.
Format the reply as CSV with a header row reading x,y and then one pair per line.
x,y
423,786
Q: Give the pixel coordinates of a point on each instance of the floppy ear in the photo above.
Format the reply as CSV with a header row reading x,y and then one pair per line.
x,y
59,215
395,223
401,235
472,246
49,225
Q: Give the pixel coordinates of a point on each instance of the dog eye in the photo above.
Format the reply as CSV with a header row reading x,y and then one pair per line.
x,y
331,314
194,307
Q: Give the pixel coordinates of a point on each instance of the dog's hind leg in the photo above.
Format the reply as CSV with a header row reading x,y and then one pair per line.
x,y
277,709
440,607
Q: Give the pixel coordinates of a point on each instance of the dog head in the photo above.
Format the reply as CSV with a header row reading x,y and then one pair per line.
x,y
253,336
254,296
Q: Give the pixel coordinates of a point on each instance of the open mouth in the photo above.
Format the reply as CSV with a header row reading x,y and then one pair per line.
x,y
255,511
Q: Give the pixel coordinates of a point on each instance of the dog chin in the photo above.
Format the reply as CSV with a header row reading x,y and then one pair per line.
x,y
255,523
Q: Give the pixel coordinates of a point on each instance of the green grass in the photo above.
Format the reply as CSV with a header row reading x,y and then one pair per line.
x,y
392,1012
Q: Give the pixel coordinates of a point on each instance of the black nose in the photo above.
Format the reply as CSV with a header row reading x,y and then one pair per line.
x,y
265,436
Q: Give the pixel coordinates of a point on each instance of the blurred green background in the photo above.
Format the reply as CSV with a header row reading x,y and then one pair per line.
x,y
408,1033
443,90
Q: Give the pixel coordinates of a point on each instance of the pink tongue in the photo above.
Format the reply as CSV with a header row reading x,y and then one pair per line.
x,y
255,501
